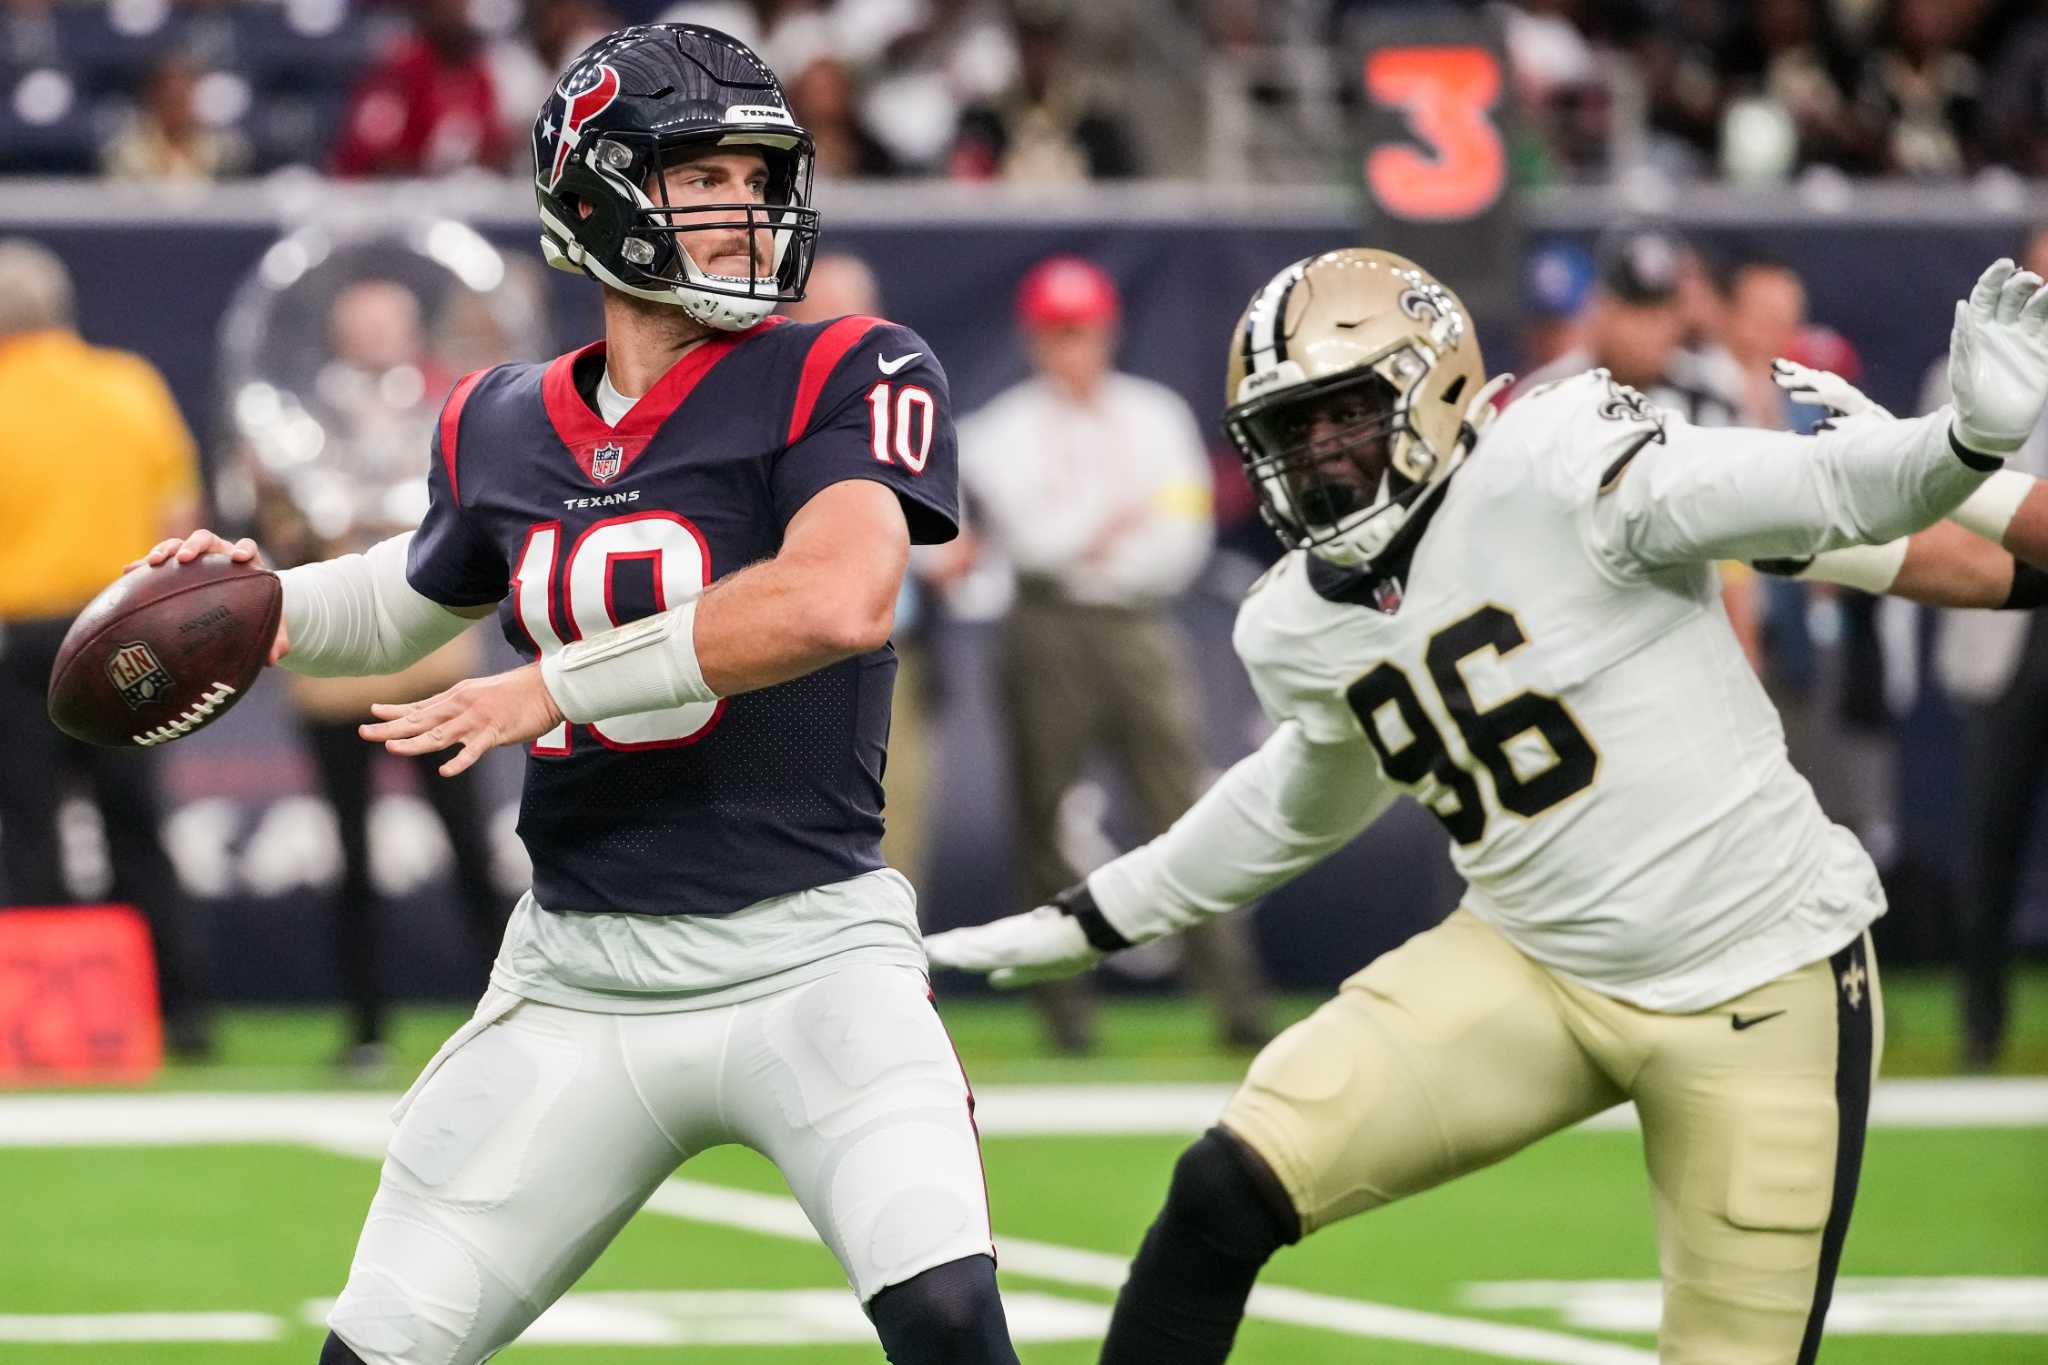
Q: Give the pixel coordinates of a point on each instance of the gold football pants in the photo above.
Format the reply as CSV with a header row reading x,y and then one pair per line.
x,y
1456,1050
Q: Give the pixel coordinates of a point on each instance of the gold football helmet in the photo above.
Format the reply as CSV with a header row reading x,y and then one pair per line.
x,y
1350,381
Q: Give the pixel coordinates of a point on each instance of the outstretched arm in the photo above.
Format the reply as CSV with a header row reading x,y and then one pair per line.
x,y
1277,813
354,616
1987,555
1688,494
1954,563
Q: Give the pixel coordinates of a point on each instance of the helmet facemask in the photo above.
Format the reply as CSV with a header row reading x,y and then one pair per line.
x,y
1339,463
652,260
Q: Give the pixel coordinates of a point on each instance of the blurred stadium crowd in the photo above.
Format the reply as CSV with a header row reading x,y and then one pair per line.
x,y
1033,90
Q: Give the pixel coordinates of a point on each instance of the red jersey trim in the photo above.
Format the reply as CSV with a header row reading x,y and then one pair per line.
x,y
582,430
451,427
828,348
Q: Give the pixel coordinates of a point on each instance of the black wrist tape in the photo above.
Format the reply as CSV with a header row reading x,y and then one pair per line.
x,y
1079,902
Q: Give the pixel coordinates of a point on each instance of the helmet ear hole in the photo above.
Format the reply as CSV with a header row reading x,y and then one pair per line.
x,y
1457,388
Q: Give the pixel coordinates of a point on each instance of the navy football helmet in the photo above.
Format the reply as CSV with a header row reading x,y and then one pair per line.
x,y
625,108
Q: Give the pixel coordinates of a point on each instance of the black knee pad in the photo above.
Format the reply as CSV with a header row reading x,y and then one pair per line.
x,y
1226,1196
949,1315
1226,1213
336,1352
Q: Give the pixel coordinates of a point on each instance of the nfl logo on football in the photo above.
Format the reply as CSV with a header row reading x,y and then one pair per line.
x,y
605,462
134,670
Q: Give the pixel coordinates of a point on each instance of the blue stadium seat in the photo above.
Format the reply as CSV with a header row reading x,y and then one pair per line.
x,y
111,47
281,47
296,129
43,135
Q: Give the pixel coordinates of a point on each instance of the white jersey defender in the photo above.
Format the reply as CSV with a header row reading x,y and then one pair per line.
x,y
1574,707
1514,618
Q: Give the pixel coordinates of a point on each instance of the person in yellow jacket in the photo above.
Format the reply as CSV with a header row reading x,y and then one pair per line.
x,y
96,464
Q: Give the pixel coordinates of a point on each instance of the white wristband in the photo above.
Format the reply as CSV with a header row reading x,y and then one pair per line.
x,y
1990,510
1871,568
645,665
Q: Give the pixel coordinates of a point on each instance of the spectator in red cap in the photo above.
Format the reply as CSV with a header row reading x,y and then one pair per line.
x,y
1094,487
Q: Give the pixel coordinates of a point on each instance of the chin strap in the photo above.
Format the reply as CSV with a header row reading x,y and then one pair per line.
x,y
1480,412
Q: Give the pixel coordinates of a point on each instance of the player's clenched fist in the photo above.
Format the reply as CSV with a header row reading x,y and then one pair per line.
x,y
1998,359
478,713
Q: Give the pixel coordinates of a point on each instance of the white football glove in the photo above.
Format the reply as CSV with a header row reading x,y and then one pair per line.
x,y
1823,389
1998,360
1044,944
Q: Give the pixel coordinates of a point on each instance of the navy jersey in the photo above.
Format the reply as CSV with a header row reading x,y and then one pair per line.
x,y
575,526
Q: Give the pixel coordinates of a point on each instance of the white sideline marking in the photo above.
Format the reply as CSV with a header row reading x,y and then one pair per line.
x,y
777,1216
1933,1305
758,1317
87,1328
358,1124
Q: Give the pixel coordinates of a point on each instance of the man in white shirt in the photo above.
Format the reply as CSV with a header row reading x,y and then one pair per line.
x,y
1095,487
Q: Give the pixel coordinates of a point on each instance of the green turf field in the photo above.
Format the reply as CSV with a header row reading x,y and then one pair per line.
x,y
1951,1232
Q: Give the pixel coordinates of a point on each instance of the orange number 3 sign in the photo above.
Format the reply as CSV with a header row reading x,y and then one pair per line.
x,y
1446,94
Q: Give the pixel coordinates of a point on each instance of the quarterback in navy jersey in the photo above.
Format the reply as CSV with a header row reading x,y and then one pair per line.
x,y
695,530
718,805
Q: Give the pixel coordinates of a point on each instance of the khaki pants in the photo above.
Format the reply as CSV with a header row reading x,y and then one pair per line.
x,y
1455,1050
1078,681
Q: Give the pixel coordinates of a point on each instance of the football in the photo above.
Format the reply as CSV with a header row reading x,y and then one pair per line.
x,y
164,651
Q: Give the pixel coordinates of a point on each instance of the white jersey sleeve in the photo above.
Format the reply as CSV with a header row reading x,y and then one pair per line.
x,y
1275,814
1660,491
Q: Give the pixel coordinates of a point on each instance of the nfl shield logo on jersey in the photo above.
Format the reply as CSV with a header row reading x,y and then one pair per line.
x,y
133,668
605,462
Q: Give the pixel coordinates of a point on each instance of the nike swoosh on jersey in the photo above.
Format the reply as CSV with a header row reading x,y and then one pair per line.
x,y
1741,1023
891,366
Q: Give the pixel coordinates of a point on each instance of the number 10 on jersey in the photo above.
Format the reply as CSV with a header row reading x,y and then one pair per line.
x,y
567,595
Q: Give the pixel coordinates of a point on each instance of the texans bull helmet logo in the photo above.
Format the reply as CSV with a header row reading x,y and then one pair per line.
x,y
582,96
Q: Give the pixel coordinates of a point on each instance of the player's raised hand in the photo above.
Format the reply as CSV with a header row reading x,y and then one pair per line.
x,y
1998,359
477,713
1823,389
1019,950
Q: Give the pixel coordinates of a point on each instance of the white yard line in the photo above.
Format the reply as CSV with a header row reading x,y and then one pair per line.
x,y
70,1329
776,1216
358,1123
758,1317
1933,1305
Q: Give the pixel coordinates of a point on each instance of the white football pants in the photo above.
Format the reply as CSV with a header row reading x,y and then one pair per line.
x,y
536,1132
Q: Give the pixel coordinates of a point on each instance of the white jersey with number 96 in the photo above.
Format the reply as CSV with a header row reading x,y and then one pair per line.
x,y
1556,681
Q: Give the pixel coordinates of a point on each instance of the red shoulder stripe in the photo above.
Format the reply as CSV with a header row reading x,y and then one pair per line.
x,y
451,426
828,348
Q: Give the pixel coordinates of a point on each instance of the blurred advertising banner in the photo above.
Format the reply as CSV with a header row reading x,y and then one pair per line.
x,y
77,997
1435,144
